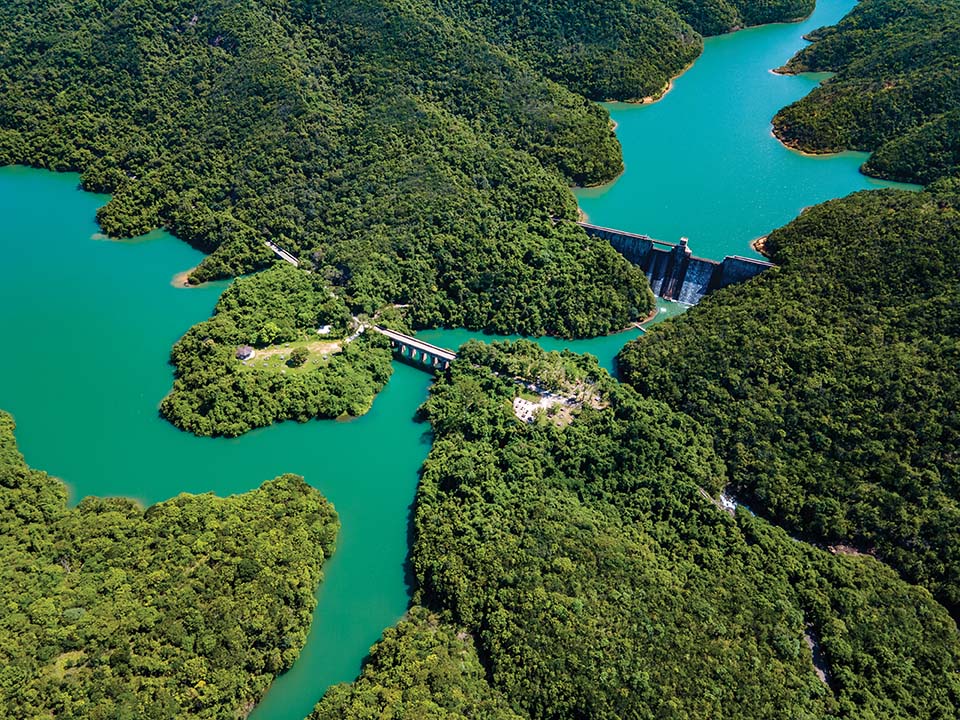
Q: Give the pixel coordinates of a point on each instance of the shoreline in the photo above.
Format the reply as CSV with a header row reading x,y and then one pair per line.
x,y
636,324
759,245
792,146
657,97
181,279
664,91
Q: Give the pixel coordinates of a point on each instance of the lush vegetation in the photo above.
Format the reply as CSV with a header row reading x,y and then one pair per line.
x,y
423,669
923,154
188,609
411,152
713,17
832,384
394,149
407,152
896,89
606,49
599,577
215,393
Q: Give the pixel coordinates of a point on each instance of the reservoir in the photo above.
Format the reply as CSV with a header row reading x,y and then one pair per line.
x,y
89,323
702,162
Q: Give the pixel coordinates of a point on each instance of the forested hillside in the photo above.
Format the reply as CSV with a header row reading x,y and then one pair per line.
x,y
923,154
609,49
411,152
713,17
600,579
896,89
422,669
392,148
832,385
188,609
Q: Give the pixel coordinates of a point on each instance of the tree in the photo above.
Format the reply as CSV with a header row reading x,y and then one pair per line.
x,y
298,357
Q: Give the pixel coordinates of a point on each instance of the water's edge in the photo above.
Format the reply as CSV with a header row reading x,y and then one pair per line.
x,y
701,162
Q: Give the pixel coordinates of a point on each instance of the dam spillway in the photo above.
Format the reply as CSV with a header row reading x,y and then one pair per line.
x,y
674,272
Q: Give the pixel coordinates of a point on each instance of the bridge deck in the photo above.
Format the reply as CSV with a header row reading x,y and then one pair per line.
x,y
282,254
420,345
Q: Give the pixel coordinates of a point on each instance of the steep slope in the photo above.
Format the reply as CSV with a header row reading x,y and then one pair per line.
x,y
923,154
386,145
422,669
831,385
713,17
600,579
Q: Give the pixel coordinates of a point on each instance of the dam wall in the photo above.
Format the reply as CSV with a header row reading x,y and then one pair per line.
x,y
673,271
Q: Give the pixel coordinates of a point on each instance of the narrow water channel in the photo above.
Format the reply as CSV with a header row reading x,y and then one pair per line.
x,y
88,326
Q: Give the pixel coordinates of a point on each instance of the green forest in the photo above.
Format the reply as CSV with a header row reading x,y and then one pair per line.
x,y
411,153
408,153
187,609
831,385
396,151
714,17
214,393
423,668
895,91
416,154
598,576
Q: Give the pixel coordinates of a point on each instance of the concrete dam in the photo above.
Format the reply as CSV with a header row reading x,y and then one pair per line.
x,y
672,269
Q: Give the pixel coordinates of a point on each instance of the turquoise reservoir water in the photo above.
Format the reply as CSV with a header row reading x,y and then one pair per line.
x,y
88,325
703,163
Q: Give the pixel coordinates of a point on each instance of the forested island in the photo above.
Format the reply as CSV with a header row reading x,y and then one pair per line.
x,y
187,609
896,89
289,370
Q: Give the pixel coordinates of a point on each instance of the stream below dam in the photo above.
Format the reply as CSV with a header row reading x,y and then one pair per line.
x,y
88,325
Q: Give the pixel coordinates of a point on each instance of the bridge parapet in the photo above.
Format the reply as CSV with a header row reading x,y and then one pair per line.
x,y
422,354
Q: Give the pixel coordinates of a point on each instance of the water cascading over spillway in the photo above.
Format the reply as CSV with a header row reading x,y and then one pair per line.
x,y
657,272
673,271
696,281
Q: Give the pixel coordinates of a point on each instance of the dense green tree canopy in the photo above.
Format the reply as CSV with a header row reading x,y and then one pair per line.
x,y
599,577
277,312
188,609
411,151
422,669
832,384
923,154
712,17
408,152
896,89
390,146
605,49
611,49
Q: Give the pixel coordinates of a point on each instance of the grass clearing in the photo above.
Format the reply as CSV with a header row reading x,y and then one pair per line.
x,y
273,358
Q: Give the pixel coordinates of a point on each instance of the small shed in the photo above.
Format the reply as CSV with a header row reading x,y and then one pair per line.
x,y
324,329
244,352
